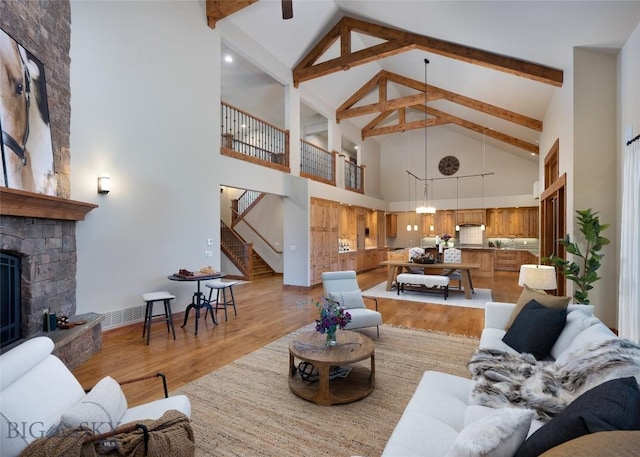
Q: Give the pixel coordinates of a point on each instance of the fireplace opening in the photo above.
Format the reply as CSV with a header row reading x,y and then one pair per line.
x,y
10,309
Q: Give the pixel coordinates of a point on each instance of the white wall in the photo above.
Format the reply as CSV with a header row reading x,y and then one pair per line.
x,y
142,109
511,184
594,164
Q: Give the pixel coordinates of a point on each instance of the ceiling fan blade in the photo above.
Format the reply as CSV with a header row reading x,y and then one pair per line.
x,y
287,9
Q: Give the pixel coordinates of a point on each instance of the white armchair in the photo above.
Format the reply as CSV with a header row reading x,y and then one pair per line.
x,y
38,393
342,286
453,255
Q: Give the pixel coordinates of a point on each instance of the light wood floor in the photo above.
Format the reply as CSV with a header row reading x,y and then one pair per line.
x,y
266,312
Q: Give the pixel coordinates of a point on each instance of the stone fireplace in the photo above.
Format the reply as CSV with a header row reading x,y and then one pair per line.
x,y
39,230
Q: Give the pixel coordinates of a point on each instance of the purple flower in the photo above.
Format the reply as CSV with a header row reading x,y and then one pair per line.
x,y
332,316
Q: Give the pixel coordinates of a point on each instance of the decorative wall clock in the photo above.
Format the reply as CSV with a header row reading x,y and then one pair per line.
x,y
449,165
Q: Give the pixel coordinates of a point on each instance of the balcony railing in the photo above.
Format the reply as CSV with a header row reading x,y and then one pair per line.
x,y
248,138
317,163
354,177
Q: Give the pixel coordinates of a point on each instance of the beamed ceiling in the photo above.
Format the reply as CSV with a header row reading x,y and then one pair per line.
x,y
390,102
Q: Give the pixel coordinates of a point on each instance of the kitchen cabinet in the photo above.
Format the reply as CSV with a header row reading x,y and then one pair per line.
x,y
382,255
445,222
360,260
506,260
361,219
323,238
532,219
512,259
347,261
528,258
470,216
392,224
382,232
347,222
482,256
428,221
512,222
497,221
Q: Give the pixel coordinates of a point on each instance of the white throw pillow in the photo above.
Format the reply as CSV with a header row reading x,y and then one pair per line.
x,y
100,410
596,333
475,413
499,434
348,300
577,321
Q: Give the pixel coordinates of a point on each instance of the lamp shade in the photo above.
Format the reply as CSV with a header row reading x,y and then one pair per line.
x,y
541,277
104,183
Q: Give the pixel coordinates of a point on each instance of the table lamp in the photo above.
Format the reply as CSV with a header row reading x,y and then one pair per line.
x,y
539,277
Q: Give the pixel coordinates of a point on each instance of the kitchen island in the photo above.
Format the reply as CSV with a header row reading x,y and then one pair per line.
x,y
489,259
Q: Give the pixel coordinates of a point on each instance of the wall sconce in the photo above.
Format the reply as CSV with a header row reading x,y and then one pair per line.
x,y
104,183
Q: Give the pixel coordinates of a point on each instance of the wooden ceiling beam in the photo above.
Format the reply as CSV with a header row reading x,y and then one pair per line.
x,y
219,9
400,41
402,126
440,118
503,137
385,105
371,54
346,110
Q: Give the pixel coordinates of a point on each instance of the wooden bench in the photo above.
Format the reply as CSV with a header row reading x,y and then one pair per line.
x,y
423,283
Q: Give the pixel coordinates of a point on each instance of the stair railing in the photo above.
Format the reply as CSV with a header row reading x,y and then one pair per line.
x,y
354,177
249,138
317,163
236,249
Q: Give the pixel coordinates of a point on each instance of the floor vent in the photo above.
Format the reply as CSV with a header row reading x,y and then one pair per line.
x,y
122,317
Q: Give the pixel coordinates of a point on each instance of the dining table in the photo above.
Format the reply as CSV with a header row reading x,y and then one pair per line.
x,y
395,267
198,300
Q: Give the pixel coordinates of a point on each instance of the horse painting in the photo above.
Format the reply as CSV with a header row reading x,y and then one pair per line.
x,y
26,148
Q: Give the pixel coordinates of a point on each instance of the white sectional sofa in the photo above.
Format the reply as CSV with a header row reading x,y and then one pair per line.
x,y
441,419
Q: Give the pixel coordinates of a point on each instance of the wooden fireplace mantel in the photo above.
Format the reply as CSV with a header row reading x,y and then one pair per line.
x,y
14,202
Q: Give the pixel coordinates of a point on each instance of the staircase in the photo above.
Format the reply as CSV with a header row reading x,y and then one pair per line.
x,y
260,267
242,254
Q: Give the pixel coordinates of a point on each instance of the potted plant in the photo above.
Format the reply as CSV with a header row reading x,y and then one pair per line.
x,y
583,272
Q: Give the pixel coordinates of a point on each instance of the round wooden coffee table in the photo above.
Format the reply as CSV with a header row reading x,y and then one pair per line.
x,y
352,347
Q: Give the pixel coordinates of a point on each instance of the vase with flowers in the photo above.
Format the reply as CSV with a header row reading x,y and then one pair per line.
x,y
446,237
332,317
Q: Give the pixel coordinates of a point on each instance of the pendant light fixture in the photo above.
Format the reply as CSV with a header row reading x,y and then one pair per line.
x,y
425,208
484,169
409,203
431,227
457,190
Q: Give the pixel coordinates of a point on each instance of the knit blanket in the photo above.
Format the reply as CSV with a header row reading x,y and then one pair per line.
x,y
170,435
519,380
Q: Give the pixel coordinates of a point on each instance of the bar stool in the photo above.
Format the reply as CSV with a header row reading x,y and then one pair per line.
x,y
150,298
222,286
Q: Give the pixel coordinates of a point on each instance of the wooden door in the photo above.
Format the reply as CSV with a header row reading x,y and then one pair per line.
x,y
553,213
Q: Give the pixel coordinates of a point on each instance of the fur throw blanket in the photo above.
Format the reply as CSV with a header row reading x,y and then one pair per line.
x,y
519,380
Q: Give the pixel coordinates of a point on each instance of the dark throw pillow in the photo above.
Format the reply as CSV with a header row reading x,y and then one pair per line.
x,y
535,329
613,405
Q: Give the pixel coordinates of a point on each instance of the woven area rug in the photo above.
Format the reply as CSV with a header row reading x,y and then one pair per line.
x,y
246,408
478,299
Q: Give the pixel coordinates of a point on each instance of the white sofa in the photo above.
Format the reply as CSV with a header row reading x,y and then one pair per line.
x,y
440,408
37,391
